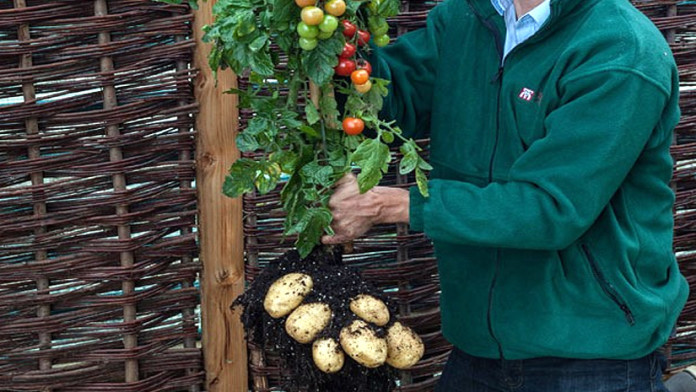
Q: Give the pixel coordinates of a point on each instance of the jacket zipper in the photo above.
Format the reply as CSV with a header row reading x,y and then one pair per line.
x,y
497,79
607,287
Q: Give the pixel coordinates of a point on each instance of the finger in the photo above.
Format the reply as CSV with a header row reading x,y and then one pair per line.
x,y
333,239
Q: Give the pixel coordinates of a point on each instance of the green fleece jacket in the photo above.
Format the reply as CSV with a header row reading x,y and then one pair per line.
x,y
550,207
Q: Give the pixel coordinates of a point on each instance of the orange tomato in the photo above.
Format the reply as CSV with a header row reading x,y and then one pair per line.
x,y
360,76
305,3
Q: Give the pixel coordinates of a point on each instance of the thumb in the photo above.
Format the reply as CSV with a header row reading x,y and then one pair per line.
x,y
346,179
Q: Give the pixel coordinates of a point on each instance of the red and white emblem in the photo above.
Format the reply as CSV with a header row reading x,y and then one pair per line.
x,y
526,94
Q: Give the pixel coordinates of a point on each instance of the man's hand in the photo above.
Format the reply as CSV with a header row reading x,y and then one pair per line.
x,y
355,213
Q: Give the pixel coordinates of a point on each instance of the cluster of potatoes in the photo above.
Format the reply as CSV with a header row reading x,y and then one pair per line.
x,y
401,348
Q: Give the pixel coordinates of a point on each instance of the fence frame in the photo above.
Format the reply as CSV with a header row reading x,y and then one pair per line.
x,y
220,219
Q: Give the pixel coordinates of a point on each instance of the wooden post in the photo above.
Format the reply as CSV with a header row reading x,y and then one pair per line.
x,y
220,221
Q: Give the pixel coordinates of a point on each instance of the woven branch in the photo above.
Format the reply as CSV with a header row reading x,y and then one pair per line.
x,y
97,207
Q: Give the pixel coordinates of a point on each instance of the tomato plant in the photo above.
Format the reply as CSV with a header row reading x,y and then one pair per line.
x,y
298,138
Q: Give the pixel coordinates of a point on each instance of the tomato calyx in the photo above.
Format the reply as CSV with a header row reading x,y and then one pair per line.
x,y
364,64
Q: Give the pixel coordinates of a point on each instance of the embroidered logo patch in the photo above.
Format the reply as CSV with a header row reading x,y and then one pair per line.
x,y
526,94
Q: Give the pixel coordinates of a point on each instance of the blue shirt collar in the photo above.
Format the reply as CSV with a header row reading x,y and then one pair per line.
x,y
540,13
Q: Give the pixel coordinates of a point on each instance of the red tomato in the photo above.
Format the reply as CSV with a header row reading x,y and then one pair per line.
x,y
353,126
349,29
348,51
363,37
345,67
364,64
360,76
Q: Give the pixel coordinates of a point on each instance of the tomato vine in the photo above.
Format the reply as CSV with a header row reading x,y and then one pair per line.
x,y
289,48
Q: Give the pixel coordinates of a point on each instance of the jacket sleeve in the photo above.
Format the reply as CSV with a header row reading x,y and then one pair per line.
x,y
410,65
560,185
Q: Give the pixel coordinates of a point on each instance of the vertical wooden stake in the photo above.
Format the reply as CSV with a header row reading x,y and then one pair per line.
x,y
220,221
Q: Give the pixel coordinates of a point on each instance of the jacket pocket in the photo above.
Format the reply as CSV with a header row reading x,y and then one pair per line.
x,y
607,287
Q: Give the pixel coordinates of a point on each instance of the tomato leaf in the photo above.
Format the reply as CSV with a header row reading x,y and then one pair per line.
x,y
310,228
309,131
312,113
422,181
423,165
261,63
388,8
284,11
408,163
352,6
371,157
314,173
241,177
318,63
258,43
267,177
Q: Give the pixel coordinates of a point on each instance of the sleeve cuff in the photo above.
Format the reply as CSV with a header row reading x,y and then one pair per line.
x,y
416,206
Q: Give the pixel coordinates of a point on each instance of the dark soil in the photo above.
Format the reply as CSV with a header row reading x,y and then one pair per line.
x,y
334,284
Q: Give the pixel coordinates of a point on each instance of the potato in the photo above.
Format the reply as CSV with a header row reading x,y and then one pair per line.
x,y
287,293
305,322
405,347
360,341
327,355
370,309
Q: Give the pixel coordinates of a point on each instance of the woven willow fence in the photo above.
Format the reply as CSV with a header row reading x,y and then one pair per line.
x,y
97,211
402,263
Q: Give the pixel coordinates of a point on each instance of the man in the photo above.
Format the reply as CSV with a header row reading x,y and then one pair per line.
x,y
550,208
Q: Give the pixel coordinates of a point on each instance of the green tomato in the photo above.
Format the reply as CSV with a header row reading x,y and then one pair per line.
x,y
307,31
329,24
325,34
379,27
374,6
308,43
381,40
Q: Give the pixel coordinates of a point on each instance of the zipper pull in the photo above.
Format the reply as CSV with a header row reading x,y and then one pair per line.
x,y
497,75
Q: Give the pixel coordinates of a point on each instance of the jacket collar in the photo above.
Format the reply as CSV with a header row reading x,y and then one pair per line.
x,y
559,8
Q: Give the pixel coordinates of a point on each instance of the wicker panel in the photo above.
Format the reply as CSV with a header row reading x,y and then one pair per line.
x,y
677,20
97,208
403,263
